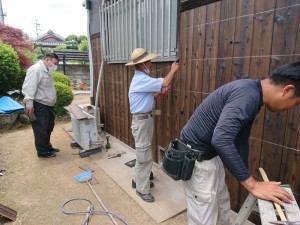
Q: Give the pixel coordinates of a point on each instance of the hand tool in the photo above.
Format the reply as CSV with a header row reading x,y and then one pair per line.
x,y
115,155
86,177
107,146
165,90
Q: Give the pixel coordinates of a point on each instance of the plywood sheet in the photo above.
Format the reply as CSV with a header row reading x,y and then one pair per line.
x,y
169,195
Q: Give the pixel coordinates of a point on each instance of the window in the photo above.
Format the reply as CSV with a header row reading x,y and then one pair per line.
x,y
149,24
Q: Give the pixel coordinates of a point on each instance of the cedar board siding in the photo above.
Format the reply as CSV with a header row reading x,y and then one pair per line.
x,y
218,43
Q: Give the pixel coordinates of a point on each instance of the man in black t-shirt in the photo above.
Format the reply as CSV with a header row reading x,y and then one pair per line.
x,y
222,123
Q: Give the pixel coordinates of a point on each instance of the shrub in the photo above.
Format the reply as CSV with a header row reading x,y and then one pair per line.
x,y
59,77
10,71
64,98
83,46
20,80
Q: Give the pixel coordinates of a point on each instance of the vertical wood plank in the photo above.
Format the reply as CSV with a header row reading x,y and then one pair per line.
x,y
226,39
198,56
289,156
185,84
242,41
286,20
126,110
159,122
180,91
131,139
211,48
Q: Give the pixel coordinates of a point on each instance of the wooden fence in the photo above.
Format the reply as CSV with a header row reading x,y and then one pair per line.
x,y
218,43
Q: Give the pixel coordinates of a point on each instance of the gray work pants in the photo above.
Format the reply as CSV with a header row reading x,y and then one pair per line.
x,y
142,131
208,200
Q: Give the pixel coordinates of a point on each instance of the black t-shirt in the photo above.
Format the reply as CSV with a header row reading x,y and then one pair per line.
x,y
222,123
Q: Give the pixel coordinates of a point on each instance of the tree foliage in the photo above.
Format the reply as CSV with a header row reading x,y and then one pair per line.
x,y
61,47
81,38
76,42
64,97
20,42
83,46
41,51
72,37
10,71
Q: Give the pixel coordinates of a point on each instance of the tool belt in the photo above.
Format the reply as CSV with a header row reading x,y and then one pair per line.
x,y
179,160
144,116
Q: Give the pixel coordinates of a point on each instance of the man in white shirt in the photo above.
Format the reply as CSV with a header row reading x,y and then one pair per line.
x,y
39,99
143,91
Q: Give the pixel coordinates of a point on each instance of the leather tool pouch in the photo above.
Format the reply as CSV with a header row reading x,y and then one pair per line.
x,y
188,167
178,161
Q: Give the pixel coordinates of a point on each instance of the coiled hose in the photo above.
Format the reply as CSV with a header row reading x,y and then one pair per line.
x,y
90,212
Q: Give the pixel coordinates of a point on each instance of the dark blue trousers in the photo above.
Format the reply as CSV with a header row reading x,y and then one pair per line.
x,y
43,126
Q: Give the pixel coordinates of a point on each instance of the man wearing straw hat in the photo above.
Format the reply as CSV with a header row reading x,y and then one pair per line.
x,y
142,94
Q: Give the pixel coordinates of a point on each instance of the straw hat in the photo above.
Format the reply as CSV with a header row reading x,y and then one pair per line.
x,y
140,55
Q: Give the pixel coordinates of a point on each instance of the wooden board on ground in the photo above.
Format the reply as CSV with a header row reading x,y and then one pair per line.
x,y
8,212
169,195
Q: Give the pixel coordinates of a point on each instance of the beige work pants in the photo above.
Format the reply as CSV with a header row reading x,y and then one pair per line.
x,y
208,201
142,131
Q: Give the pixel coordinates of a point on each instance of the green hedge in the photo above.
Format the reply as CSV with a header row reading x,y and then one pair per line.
x,y
60,77
10,71
64,98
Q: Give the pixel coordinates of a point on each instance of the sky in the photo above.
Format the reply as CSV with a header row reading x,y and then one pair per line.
x,y
63,17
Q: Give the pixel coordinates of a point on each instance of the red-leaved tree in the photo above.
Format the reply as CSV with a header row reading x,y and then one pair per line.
x,y
19,41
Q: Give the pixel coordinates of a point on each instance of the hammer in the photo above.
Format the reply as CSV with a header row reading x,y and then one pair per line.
x,y
114,155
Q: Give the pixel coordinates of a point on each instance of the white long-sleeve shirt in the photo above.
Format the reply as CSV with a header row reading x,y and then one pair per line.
x,y
38,86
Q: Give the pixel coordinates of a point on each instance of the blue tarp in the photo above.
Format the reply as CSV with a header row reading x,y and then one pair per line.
x,y
8,105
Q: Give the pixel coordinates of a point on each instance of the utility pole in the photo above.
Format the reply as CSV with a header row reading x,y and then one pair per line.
x,y
2,14
37,27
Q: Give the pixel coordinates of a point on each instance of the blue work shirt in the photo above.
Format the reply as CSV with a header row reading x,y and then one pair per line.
x,y
223,121
141,92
